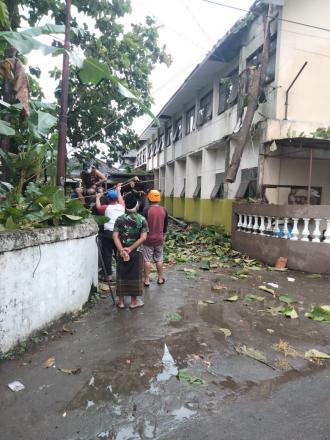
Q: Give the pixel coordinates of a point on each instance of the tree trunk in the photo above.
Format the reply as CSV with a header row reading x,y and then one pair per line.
x,y
8,93
255,88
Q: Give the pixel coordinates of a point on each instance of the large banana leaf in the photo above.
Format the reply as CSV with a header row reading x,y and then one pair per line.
x,y
25,40
40,123
93,72
6,129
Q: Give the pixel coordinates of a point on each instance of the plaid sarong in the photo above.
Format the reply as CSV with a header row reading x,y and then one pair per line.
x,y
129,280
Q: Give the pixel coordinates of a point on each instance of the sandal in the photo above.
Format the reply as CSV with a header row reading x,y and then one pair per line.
x,y
120,306
137,305
161,282
146,284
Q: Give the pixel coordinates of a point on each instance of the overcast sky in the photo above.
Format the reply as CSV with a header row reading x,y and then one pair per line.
x,y
189,28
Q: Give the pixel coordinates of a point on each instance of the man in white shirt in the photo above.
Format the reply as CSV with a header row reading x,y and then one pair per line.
x,y
115,209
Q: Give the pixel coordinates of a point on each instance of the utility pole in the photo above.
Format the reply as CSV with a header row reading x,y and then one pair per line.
x,y
63,126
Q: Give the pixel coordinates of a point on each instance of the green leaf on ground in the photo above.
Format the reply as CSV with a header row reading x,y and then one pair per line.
x,y
252,353
289,312
287,299
205,265
174,317
319,313
267,289
251,297
313,276
183,376
225,331
316,354
233,298
278,269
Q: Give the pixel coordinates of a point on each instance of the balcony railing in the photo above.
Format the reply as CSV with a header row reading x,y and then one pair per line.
x,y
290,222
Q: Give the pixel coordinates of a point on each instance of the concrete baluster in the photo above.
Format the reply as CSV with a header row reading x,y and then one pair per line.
x,y
285,228
305,232
256,224
249,226
295,231
245,222
262,225
269,226
317,232
239,224
276,229
327,233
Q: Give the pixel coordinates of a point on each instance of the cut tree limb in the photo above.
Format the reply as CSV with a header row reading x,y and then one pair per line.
x,y
256,84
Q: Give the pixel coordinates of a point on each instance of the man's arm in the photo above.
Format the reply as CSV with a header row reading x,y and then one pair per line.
x,y
137,243
165,221
120,197
101,177
100,208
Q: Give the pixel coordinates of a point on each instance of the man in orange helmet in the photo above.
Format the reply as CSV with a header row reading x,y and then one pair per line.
x,y
157,219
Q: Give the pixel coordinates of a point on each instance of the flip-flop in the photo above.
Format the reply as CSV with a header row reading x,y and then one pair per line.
x,y
137,305
161,282
146,284
120,306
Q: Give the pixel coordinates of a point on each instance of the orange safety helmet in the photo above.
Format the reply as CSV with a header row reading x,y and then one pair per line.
x,y
154,196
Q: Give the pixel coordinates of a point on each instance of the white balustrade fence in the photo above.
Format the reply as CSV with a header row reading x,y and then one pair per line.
x,y
291,228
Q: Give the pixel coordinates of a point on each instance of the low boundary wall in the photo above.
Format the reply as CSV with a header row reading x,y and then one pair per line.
x,y
44,274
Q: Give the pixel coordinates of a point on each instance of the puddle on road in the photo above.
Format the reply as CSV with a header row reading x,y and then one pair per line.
x,y
151,363
183,413
169,366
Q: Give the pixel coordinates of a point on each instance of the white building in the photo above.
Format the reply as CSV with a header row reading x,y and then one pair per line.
x,y
192,148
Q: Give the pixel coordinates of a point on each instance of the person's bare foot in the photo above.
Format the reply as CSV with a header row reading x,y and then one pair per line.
x,y
136,303
121,303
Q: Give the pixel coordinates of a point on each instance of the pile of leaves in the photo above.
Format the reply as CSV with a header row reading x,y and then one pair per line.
x,y
196,243
209,245
41,206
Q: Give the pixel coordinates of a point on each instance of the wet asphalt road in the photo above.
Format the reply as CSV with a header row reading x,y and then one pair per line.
x,y
128,386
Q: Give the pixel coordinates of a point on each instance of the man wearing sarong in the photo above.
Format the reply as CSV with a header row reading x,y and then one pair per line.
x,y
129,232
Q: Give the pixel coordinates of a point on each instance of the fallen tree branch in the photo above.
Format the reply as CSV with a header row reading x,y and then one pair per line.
x,y
256,84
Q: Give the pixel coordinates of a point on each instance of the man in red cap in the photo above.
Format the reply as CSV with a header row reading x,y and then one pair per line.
x,y
157,219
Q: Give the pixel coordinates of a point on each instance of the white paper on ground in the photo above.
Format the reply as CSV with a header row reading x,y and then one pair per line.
x,y
16,386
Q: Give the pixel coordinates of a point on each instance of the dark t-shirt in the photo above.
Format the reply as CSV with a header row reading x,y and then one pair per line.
x,y
157,219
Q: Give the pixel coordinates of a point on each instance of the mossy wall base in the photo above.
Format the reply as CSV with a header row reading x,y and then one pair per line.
x,y
203,211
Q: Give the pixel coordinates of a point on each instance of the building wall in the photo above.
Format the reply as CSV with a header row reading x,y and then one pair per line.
x,y
310,96
203,152
60,267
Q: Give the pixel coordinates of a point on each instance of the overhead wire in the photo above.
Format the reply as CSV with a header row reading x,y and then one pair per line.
x,y
311,26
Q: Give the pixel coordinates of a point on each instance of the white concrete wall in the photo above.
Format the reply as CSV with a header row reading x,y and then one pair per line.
x,y
179,176
40,283
169,179
310,96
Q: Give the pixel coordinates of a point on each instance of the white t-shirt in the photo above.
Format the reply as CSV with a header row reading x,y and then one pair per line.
x,y
113,212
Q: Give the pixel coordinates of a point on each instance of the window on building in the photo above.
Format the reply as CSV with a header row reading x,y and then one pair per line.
x,y
198,189
149,151
161,142
205,109
177,130
154,147
228,91
254,60
190,120
183,191
218,191
248,185
168,139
